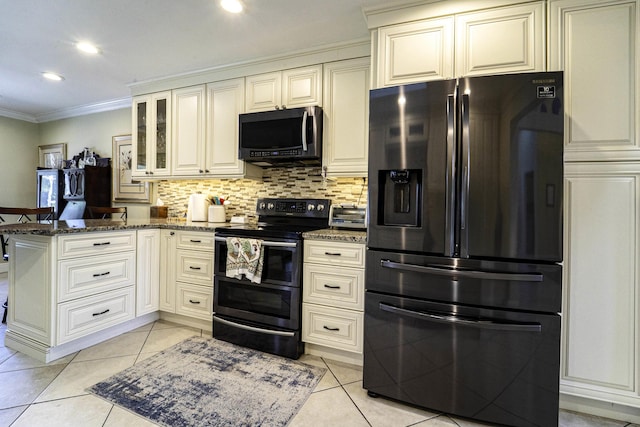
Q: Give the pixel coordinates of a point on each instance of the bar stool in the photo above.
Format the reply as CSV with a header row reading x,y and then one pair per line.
x,y
24,215
101,212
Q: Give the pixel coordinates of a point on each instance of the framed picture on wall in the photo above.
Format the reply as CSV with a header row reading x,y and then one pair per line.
x,y
52,156
124,188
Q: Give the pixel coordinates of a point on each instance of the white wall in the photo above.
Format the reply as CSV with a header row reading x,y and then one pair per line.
x,y
19,142
94,131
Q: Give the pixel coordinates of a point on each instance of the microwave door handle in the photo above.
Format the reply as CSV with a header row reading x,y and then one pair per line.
x,y
472,274
304,131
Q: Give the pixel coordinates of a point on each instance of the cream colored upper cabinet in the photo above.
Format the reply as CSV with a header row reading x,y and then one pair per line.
x,y
225,101
151,135
188,130
346,121
595,43
299,87
501,40
416,51
492,41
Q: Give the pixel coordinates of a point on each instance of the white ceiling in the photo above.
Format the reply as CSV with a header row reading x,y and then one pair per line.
x,y
148,39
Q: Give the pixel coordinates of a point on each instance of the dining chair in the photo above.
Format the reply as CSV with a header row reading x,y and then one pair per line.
x,y
24,215
102,212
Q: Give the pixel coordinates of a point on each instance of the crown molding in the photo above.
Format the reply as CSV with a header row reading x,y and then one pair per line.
x,y
18,116
299,58
83,110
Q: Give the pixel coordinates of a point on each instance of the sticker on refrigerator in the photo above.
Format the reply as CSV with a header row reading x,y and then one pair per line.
x,y
546,91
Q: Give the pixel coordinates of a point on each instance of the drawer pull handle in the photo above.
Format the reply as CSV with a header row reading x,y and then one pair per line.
x,y
194,302
331,286
331,329
102,244
194,268
100,314
333,253
195,241
102,274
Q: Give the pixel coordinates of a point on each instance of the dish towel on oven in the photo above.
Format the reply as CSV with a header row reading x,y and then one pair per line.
x,y
244,256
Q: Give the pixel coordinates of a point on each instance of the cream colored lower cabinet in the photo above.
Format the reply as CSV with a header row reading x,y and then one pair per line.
x,y
148,271
333,299
186,278
70,291
84,316
600,313
168,248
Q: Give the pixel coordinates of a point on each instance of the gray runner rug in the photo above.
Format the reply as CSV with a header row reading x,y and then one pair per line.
x,y
207,382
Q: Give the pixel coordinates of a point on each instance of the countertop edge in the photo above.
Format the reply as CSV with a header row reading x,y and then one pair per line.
x,y
53,228
338,235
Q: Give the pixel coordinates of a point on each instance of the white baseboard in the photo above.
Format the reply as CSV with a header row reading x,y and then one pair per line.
x,y
333,354
599,408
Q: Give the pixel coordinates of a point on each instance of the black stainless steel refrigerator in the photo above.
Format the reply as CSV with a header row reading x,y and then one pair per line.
x,y
463,282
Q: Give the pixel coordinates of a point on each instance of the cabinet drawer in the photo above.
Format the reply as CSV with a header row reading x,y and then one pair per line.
x,y
86,244
334,253
195,240
79,277
85,316
339,287
194,301
332,327
195,267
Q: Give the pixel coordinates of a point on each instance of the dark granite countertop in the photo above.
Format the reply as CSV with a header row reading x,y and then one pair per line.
x,y
51,228
340,235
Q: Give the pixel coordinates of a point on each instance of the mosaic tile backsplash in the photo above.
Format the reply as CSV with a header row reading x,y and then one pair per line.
x,y
297,182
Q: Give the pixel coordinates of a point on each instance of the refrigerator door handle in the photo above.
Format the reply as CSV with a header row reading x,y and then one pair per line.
x,y
464,185
457,320
450,243
472,274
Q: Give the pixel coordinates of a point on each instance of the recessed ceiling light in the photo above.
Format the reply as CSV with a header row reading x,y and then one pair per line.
x,y
52,76
87,47
233,6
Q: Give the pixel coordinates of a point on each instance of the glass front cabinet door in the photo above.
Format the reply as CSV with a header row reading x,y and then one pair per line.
x,y
151,145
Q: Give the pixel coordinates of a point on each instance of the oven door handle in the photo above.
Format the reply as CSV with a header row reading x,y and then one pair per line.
x,y
458,320
253,328
472,274
267,243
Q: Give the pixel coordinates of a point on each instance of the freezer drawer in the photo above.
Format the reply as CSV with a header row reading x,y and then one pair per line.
x,y
492,365
507,285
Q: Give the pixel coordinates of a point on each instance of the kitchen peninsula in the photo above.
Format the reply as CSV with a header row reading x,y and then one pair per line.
x,y
75,283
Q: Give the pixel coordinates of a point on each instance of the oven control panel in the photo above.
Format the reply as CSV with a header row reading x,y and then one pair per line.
x,y
316,208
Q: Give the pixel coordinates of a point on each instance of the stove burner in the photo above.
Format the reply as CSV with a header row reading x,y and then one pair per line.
x,y
283,218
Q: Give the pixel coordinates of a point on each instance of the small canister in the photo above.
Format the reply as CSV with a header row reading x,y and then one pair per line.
x,y
217,213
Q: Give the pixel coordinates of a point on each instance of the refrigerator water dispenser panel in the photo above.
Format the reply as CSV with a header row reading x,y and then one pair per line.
x,y
401,192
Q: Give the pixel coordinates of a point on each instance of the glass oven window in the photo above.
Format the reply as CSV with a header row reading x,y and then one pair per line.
x,y
255,299
279,263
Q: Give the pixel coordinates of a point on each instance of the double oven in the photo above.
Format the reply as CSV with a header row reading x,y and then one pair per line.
x,y
267,316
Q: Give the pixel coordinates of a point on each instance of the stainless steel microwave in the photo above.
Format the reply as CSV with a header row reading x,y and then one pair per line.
x,y
288,136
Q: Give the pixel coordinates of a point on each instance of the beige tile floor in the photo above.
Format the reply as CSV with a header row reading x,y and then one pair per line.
x,y
36,394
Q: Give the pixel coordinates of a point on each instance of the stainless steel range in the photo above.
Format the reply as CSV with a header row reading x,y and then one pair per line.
x,y
267,316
